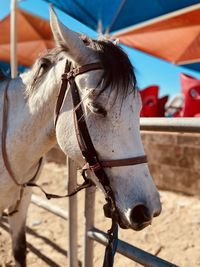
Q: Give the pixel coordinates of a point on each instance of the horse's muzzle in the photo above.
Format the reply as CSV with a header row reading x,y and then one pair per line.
x,y
139,217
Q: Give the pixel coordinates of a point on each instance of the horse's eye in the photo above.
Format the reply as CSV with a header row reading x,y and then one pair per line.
x,y
45,63
44,66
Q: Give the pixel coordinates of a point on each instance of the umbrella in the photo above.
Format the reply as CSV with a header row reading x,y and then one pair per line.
x,y
118,14
193,66
5,67
33,37
174,37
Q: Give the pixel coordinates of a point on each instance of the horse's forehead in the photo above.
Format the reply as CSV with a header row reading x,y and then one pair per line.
x,y
90,78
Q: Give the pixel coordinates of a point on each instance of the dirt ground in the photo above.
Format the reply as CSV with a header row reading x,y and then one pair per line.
x,y
173,236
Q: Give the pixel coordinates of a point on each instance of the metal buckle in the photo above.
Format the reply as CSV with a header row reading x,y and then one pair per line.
x,y
68,75
97,166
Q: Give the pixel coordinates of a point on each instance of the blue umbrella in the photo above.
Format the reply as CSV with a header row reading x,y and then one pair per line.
x,y
193,66
118,14
5,67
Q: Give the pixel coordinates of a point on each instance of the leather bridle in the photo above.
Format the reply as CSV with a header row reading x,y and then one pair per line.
x,y
89,152
87,148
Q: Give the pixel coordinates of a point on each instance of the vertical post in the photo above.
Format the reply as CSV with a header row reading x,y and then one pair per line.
x,y
72,222
13,38
89,223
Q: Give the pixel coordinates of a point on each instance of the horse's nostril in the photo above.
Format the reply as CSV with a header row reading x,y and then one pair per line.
x,y
140,214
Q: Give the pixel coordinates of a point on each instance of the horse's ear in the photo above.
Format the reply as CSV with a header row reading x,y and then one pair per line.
x,y
68,39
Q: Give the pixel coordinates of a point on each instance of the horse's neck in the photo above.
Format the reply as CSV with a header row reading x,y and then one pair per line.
x,y
30,127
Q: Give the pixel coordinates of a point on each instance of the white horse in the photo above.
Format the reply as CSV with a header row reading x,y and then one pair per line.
x,y
111,109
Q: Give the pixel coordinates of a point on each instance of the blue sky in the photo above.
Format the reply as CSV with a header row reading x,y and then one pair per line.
x,y
149,70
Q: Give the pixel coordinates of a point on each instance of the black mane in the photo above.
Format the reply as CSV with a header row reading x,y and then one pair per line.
x,y
118,70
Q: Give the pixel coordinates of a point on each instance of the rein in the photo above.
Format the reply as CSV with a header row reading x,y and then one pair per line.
x,y
5,155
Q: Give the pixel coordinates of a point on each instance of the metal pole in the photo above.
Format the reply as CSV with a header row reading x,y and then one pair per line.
x,y
13,38
47,205
138,255
72,222
184,125
88,246
115,16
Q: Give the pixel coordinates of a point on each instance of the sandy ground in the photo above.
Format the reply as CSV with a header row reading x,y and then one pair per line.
x,y
174,235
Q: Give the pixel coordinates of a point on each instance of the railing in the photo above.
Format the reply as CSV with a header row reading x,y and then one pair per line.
x,y
186,125
92,234
135,254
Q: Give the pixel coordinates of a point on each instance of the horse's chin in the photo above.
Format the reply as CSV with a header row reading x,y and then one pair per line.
x,y
135,226
122,225
139,227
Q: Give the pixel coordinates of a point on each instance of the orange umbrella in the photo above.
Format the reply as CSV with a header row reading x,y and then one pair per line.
x,y
174,37
33,37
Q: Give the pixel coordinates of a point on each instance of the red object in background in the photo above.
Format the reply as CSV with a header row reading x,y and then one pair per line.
x,y
191,91
173,37
161,106
177,113
34,37
149,97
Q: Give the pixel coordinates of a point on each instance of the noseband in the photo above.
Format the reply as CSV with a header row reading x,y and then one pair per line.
x,y
85,142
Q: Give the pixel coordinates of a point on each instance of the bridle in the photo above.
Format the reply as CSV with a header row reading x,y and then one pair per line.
x,y
87,148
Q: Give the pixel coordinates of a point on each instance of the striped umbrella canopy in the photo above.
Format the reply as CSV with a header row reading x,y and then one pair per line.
x,y
33,37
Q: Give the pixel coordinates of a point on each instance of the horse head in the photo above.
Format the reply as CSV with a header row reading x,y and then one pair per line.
x,y
111,108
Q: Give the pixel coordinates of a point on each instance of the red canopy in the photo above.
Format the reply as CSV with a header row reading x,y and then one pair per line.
x,y
173,37
33,37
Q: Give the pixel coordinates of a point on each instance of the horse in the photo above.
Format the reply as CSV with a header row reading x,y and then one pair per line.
x,y
104,78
